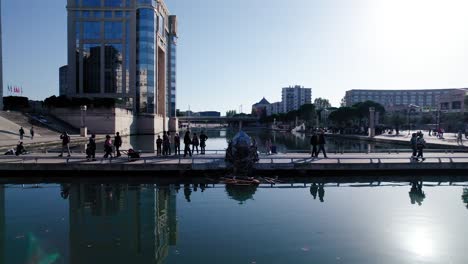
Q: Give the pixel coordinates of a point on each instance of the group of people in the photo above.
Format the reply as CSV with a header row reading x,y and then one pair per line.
x,y
22,133
109,146
418,144
317,142
191,143
194,141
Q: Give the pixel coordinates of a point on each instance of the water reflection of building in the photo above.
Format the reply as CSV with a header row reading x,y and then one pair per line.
x,y
121,223
2,224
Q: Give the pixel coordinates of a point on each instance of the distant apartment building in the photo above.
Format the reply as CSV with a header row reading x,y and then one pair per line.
x,y
123,49
1,61
259,109
427,98
63,80
294,97
454,101
275,108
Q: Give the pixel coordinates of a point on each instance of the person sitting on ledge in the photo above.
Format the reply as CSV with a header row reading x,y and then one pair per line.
x,y
20,150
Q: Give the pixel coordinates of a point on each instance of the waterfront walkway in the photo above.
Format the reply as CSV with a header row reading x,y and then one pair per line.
x,y
292,163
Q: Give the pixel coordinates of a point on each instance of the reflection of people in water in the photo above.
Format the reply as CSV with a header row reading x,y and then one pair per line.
x,y
321,192
187,192
465,196
65,191
416,193
313,190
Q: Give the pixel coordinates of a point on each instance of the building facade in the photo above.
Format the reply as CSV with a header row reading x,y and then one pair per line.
x,y
123,49
260,109
294,97
428,98
1,60
454,101
63,80
275,108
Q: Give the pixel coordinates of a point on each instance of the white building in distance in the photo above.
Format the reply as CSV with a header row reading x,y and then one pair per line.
x,y
294,97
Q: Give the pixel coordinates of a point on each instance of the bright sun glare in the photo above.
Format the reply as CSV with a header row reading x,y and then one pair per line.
x,y
419,242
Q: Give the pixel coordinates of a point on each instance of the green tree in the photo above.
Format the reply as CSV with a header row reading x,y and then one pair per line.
x,y
231,113
307,113
321,103
343,116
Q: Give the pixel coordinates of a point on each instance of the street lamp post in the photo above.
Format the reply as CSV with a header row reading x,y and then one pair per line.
x,y
83,129
371,122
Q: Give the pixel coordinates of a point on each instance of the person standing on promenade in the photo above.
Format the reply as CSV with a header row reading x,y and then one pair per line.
x,y
168,143
31,131
203,139
268,146
177,144
313,143
65,143
165,141
91,154
21,133
187,142
414,145
117,144
195,143
108,147
421,144
159,143
321,142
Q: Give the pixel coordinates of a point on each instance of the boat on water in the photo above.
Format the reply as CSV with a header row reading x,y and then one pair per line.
x,y
244,181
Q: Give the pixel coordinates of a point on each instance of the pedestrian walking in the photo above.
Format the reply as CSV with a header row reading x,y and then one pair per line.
x,y
421,145
108,147
159,143
187,142
21,133
321,143
414,145
177,144
460,137
313,143
117,144
91,150
31,131
195,143
65,143
165,141
203,139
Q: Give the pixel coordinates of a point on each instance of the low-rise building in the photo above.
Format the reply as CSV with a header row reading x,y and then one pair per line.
x,y
275,108
454,101
260,109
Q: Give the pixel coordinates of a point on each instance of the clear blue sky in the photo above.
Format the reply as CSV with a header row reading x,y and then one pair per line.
x,y
233,53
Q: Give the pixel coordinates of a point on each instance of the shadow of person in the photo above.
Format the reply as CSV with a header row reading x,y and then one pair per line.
x,y
321,192
313,190
187,192
416,193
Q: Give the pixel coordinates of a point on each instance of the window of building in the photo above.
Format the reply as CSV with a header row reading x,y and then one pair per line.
x,y
456,105
91,68
91,3
444,106
113,3
108,14
113,30
91,30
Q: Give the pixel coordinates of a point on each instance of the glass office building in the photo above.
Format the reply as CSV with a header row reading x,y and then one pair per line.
x,y
123,49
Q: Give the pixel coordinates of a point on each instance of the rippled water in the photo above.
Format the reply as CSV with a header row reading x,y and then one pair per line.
x,y
394,222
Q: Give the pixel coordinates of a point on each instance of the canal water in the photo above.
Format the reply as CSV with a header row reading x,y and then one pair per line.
x,y
283,141
388,222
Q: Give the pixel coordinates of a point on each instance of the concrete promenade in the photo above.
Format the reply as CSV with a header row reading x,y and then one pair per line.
x,y
403,138
292,164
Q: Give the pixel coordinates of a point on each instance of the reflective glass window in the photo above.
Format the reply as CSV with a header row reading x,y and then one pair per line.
x,y
86,14
108,14
118,14
113,3
91,30
98,14
113,30
91,3
91,68
113,81
147,2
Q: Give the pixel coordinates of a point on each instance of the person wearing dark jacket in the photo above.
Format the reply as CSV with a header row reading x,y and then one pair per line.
x,y
177,144
321,143
203,139
187,142
117,144
159,143
195,143
65,143
313,143
91,151
414,143
21,133
20,150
